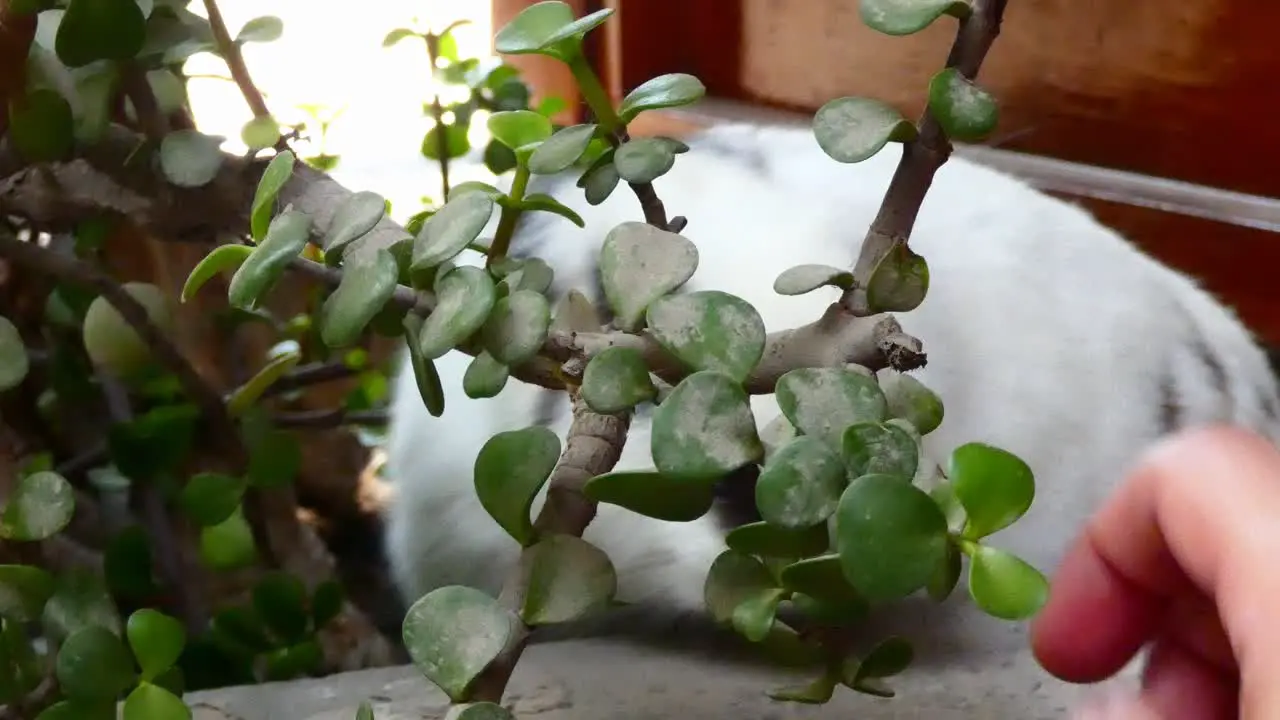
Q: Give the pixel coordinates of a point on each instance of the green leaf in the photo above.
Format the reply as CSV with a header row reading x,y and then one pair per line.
x,y
824,401
190,159
220,259
732,579
210,498
879,449
560,151
822,578
367,285
157,641
80,600
517,328
754,617
894,17
890,535
899,282
425,374
453,633
639,264
802,279
263,29
275,458
599,180
94,664
947,575
292,661
326,603
273,180
852,129
128,565
568,579
354,218
456,144
664,91
995,487
42,129
709,330
464,297
510,470
285,239
765,540
1004,585
965,111
260,132
229,544
170,92
818,692
644,160
97,84
24,589
281,601
547,28
40,507
518,129
450,230
910,400
485,377
152,702
14,363
704,429
100,30
245,396
652,494
800,486
888,658
540,202
482,711
617,380
396,35
79,710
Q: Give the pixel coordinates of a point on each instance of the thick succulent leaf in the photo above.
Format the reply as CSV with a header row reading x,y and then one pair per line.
x,y
800,485
285,239
451,229
900,281
562,149
644,160
704,429
617,380
354,218
510,471
39,507
366,286
1004,585
994,486
569,578
220,259
14,363
910,400
274,177
190,159
852,129
709,330
824,401
802,279
891,537
664,91
899,17
465,296
652,494
639,264
485,377
965,111
453,634
425,375
879,449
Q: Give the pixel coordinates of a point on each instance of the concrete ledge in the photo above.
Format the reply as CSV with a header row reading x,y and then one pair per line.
x,y
611,679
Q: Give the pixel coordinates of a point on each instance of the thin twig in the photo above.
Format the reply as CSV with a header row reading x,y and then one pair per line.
x,y
326,419
154,123
230,52
308,375
437,114
921,157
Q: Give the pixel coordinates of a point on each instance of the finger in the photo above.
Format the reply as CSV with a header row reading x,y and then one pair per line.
x,y
1203,506
1179,684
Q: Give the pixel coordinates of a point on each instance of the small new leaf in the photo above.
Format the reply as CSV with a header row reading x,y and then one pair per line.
x,y
803,279
894,17
220,259
519,129
156,640
273,179
994,486
249,393
664,91
910,400
900,281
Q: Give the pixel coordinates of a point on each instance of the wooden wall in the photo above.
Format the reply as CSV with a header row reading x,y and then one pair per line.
x,y
1180,90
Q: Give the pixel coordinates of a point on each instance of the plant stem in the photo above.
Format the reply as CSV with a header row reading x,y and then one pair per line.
x,y
230,53
594,94
510,215
437,114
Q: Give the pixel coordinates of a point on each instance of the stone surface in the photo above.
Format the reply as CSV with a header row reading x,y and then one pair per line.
x,y
610,678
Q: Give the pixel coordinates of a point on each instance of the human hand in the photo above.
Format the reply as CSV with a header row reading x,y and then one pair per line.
x,y
1184,556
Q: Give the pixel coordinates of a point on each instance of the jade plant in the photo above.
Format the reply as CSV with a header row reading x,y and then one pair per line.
x,y
852,516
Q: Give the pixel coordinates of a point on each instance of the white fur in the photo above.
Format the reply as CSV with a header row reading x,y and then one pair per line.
x,y
1047,335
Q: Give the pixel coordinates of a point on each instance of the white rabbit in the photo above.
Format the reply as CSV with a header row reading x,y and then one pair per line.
x,y
1047,334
